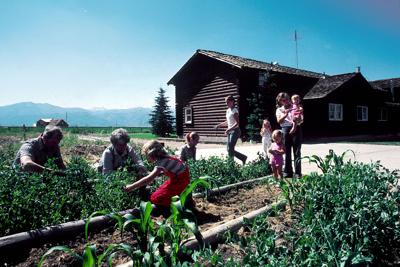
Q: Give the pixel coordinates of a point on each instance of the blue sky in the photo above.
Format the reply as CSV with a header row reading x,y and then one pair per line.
x,y
116,54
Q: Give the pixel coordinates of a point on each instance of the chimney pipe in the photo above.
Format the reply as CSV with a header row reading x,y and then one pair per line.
x,y
358,69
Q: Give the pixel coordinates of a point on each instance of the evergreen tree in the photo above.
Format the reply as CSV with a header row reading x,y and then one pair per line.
x,y
161,119
260,106
256,116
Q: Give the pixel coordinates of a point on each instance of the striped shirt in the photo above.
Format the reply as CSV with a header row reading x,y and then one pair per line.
x,y
171,166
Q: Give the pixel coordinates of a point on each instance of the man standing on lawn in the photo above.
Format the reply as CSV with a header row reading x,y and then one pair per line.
x,y
34,153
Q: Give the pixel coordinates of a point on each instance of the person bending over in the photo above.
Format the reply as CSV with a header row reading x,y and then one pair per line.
x,y
34,153
174,168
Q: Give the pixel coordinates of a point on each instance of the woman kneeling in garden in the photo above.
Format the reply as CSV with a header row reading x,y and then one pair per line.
x,y
172,167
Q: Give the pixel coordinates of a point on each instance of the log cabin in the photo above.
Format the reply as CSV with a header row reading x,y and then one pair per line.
x,y
334,105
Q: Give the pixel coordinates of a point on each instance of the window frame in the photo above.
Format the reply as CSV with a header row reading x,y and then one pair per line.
x,y
262,78
337,112
364,113
186,114
382,111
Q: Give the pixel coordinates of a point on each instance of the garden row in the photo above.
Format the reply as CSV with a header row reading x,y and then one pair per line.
x,y
30,201
346,216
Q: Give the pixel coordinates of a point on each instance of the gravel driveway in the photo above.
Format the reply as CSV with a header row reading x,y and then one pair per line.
x,y
389,156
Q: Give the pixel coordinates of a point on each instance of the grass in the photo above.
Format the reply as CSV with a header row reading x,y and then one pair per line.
x,y
16,130
147,136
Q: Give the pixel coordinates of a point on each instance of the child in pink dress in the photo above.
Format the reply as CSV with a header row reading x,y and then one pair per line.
x,y
276,150
296,112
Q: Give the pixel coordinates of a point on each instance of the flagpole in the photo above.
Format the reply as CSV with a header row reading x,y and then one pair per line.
x,y
297,55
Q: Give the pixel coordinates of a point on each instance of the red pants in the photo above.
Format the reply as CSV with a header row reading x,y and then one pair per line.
x,y
172,187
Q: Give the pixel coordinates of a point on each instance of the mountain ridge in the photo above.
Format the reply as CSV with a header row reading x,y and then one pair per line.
x,y
28,113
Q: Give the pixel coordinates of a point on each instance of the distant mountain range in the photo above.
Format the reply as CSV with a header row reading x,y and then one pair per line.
x,y
28,113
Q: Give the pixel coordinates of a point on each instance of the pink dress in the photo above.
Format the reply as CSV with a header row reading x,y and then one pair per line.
x,y
276,159
296,113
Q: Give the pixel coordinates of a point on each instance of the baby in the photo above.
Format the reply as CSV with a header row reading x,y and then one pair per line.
x,y
296,112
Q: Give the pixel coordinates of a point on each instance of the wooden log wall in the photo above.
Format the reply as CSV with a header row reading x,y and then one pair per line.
x,y
209,107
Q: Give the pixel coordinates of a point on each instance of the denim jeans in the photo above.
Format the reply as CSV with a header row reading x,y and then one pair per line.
x,y
292,141
233,136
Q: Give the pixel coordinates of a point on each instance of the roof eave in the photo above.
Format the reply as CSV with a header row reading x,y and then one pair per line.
x,y
171,81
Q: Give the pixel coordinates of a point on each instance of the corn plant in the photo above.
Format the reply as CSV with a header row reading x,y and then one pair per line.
x,y
153,239
90,255
330,162
345,216
144,224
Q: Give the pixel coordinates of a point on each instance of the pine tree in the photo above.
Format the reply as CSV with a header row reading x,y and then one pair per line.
x,y
256,116
161,118
258,103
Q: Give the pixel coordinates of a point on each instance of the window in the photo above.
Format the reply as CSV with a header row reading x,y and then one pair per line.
x,y
335,112
362,113
262,78
188,115
382,114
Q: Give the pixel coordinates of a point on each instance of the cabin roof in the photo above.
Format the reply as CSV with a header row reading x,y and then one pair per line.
x,y
385,84
241,63
326,85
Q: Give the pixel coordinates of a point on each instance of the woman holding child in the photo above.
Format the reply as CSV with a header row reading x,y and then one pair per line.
x,y
292,134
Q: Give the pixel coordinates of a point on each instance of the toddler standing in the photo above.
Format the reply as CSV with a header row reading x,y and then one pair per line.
x,y
265,133
276,151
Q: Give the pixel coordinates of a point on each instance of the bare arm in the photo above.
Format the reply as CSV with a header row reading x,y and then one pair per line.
x,y
270,150
27,164
143,181
282,117
281,151
224,123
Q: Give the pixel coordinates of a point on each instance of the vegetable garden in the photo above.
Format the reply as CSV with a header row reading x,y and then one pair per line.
x,y
345,216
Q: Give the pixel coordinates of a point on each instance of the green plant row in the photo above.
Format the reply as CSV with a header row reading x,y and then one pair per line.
x,y
346,216
30,201
157,245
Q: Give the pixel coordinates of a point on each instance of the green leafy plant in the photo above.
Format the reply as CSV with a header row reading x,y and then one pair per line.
x,y
90,255
330,162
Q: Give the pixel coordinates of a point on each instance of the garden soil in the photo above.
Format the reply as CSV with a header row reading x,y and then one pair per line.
x,y
210,213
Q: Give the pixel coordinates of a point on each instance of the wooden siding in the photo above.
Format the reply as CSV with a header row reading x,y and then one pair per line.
x,y
204,85
356,92
209,108
204,89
